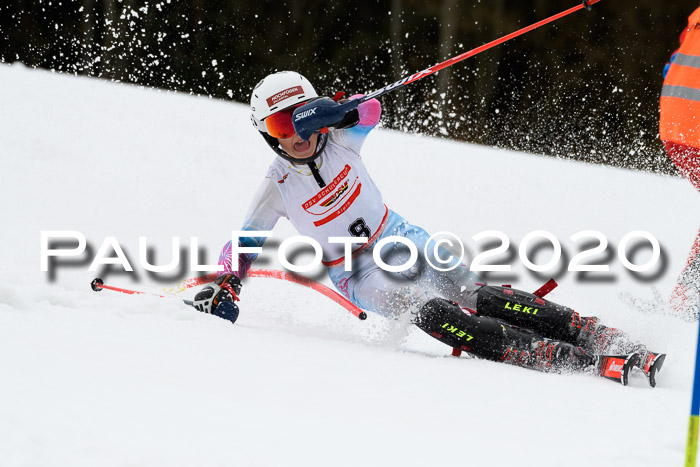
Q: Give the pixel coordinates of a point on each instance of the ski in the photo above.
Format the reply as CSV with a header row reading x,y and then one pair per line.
x,y
616,367
651,366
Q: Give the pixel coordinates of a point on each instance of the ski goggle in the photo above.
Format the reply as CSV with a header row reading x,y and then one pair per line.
x,y
279,125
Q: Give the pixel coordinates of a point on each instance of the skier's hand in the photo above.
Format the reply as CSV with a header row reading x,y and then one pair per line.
x,y
324,114
219,298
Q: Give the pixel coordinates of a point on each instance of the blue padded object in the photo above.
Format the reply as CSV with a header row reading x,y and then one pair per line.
x,y
226,310
323,113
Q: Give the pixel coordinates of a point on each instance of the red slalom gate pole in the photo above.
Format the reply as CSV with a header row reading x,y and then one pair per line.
x,y
290,277
451,61
312,284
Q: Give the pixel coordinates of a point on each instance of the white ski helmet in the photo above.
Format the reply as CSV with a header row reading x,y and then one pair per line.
x,y
276,92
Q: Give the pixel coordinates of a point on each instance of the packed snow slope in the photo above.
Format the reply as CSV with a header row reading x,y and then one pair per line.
x,y
108,379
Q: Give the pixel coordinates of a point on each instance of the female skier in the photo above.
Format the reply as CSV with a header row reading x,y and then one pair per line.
x,y
319,182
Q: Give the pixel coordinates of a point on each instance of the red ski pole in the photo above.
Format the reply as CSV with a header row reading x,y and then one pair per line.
x,y
98,284
451,61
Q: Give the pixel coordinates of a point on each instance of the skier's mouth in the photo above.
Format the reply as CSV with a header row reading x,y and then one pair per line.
x,y
302,146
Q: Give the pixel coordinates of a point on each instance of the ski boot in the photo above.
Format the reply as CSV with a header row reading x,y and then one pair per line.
x,y
549,356
602,340
616,367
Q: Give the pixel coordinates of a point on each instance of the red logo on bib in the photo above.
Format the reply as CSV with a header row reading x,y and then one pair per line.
x,y
340,190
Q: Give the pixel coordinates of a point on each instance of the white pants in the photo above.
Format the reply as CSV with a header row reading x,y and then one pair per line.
x,y
393,293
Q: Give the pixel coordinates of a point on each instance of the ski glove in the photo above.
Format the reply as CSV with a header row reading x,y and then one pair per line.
x,y
219,297
322,114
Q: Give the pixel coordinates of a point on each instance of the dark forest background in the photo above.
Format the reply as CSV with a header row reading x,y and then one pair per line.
x,y
586,86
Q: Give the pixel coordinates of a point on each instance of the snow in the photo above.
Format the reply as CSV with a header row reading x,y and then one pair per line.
x,y
114,380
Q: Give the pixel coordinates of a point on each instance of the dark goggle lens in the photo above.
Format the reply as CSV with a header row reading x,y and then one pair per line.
x,y
279,125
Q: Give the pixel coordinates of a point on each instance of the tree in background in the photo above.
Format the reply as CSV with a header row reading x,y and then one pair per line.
x,y
585,87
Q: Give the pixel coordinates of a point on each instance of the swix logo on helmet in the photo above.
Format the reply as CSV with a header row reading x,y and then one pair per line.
x,y
305,114
280,96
